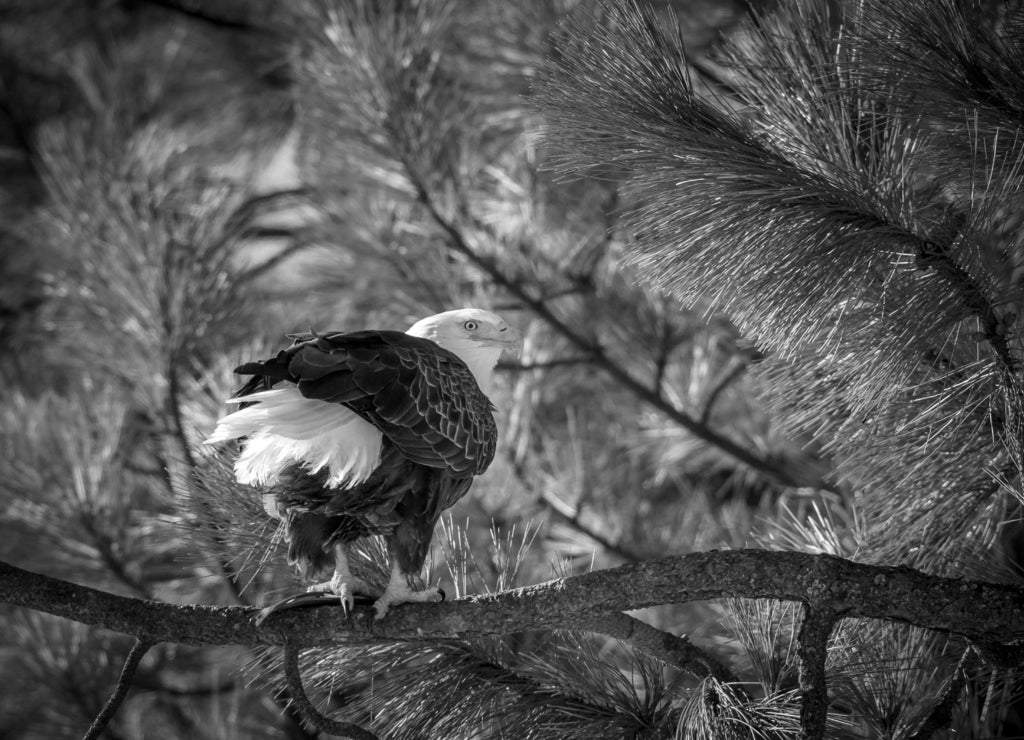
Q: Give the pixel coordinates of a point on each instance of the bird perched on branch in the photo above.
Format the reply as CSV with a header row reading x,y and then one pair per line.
x,y
369,432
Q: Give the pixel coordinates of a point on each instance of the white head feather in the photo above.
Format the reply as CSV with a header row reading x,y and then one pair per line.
x,y
476,336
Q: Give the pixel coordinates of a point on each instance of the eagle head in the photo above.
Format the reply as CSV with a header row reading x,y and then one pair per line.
x,y
476,336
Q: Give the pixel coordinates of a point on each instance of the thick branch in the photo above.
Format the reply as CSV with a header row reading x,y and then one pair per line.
x,y
812,649
989,613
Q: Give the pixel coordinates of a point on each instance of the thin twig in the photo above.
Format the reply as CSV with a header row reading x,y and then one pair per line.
x,y
714,77
182,466
458,242
542,364
255,206
115,564
181,469
676,650
152,684
255,272
218,21
571,516
973,296
665,349
310,713
173,408
942,713
812,649
124,682
738,369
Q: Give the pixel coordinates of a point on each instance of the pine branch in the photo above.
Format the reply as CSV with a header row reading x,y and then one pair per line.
x,y
664,646
821,204
984,612
664,353
246,18
459,243
726,380
124,682
543,365
571,516
994,326
255,272
112,560
257,207
182,476
154,684
942,58
566,686
812,650
173,410
306,708
225,21
942,713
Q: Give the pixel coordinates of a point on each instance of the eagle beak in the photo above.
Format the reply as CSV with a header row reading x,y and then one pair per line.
x,y
510,340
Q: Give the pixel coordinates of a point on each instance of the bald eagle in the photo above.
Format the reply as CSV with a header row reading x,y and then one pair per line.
x,y
369,432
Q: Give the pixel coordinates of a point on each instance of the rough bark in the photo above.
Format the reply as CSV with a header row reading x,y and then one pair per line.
x,y
989,614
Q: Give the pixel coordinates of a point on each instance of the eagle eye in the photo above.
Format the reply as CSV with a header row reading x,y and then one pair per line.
x,y
470,325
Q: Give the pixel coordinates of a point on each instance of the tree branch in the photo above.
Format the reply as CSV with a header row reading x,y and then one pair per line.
x,y
309,712
124,682
181,468
812,649
255,272
664,646
195,11
938,255
544,364
652,396
985,612
571,516
724,382
942,713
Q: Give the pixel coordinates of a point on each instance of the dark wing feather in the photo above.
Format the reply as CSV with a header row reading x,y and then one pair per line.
x,y
421,396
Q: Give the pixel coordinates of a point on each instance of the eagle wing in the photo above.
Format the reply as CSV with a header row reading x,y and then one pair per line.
x,y
422,398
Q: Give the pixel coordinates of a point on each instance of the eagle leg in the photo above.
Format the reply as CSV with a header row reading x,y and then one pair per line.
x,y
400,590
343,584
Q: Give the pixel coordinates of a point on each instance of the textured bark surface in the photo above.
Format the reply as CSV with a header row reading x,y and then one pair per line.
x,y
812,650
989,614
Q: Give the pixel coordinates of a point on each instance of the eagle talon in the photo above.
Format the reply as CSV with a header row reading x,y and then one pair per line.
x,y
382,605
343,584
401,591
295,601
344,590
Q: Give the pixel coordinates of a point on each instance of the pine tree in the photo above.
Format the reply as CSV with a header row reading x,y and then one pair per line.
x,y
765,263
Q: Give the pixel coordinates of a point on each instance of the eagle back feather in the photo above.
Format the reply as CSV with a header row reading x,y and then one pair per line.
x,y
327,400
422,397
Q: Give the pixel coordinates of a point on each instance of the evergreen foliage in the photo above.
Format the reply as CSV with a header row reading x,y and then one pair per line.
x,y
766,263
